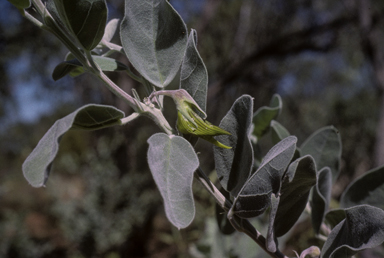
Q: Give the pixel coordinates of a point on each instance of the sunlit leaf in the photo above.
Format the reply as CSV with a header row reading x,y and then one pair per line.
x,y
37,166
154,38
110,29
173,161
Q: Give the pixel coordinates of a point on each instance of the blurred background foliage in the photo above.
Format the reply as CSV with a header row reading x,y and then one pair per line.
x,y
324,57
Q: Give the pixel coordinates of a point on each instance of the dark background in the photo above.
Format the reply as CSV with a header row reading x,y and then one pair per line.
x,y
324,57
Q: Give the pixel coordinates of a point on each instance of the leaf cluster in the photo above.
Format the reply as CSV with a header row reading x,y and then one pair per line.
x,y
286,181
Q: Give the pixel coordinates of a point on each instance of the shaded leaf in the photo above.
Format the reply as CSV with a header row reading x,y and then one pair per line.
x,y
264,115
194,75
254,198
37,166
334,217
21,4
297,183
69,67
366,189
362,228
324,146
233,166
321,197
278,132
154,38
85,18
223,223
173,161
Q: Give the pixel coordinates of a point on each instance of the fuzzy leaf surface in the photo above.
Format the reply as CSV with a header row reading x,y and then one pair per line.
x,y
173,161
233,166
255,196
110,29
334,217
366,189
297,183
321,197
362,228
264,115
154,38
37,166
324,146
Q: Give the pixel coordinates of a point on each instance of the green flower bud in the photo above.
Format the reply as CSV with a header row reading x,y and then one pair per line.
x,y
189,121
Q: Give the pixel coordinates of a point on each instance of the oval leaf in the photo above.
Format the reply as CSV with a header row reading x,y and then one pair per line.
x,y
233,166
173,161
194,75
321,197
105,64
85,18
154,38
264,115
297,183
367,189
362,228
324,146
36,167
255,196
110,29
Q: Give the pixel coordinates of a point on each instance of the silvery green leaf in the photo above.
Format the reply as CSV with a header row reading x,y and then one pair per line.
x,y
154,38
173,161
366,189
233,166
37,166
110,29
362,228
255,196
324,146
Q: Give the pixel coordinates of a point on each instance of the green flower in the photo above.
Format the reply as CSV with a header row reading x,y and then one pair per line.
x,y
201,128
189,121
